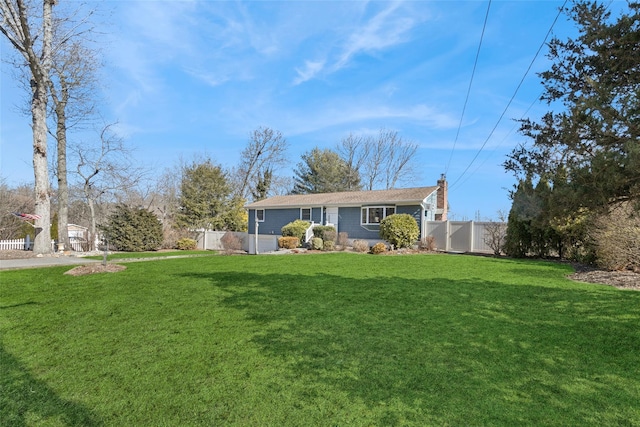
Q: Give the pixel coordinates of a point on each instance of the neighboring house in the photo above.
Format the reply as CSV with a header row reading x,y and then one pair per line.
x,y
358,213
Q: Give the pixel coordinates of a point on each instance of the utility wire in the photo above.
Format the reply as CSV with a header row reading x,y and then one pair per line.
x,y
466,100
513,96
503,140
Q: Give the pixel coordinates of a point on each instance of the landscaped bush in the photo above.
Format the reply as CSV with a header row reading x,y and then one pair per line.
x,y
288,242
325,232
297,228
330,236
401,230
329,245
616,238
186,244
378,248
172,235
231,242
360,245
317,244
427,243
133,230
343,239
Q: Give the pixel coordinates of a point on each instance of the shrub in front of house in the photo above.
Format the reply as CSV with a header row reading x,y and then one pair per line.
x,y
317,244
329,245
378,248
296,228
343,240
186,244
360,245
288,242
427,244
330,236
401,230
325,232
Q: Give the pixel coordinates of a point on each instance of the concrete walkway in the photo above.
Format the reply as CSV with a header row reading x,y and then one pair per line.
x,y
45,261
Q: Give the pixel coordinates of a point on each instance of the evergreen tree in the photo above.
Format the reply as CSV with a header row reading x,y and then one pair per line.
x,y
324,171
204,197
595,138
133,230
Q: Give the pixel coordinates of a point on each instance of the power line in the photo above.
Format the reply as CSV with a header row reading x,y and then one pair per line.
x,y
513,96
466,100
503,140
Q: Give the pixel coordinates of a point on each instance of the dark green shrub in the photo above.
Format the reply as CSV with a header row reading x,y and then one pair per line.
x,y
317,244
378,248
186,244
401,230
297,228
288,242
325,232
133,230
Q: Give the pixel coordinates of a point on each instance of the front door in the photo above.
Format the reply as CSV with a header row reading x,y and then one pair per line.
x,y
332,217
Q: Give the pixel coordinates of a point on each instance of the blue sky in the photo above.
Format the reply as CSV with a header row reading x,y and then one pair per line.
x,y
185,78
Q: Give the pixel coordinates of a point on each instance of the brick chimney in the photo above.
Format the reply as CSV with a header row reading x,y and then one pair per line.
x,y
443,201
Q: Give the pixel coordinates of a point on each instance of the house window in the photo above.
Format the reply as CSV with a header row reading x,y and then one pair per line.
x,y
260,215
375,214
305,214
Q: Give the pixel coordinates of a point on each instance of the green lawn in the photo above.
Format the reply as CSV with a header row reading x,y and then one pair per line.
x,y
329,340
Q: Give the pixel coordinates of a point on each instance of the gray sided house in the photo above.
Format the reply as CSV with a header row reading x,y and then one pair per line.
x,y
358,213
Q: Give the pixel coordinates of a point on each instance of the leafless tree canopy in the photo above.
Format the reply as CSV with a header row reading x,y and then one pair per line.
x,y
382,161
264,153
105,170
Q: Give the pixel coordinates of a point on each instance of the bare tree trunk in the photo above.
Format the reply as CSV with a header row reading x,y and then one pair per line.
x,y
14,24
42,240
92,211
63,186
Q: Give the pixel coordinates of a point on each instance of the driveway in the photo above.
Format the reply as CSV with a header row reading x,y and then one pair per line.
x,y
45,261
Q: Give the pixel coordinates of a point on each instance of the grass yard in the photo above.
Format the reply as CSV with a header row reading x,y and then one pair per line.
x,y
329,339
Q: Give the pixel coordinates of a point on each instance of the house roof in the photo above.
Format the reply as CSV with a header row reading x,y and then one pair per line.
x,y
347,198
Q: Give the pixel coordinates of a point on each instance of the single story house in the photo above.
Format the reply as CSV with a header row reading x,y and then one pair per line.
x,y
358,213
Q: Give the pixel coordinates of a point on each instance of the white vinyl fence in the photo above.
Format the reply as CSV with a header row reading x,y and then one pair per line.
x,y
211,240
461,236
21,245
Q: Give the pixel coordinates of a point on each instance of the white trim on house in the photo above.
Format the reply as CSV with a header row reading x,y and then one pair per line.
x,y
368,216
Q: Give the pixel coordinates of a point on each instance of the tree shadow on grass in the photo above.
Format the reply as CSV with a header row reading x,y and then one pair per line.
x,y
25,400
458,350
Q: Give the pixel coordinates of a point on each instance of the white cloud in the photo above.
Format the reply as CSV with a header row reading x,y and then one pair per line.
x,y
311,69
380,32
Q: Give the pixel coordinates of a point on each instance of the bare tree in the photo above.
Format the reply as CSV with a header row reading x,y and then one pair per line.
x,y
398,164
31,36
381,161
105,169
17,199
264,153
355,151
72,88
496,233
